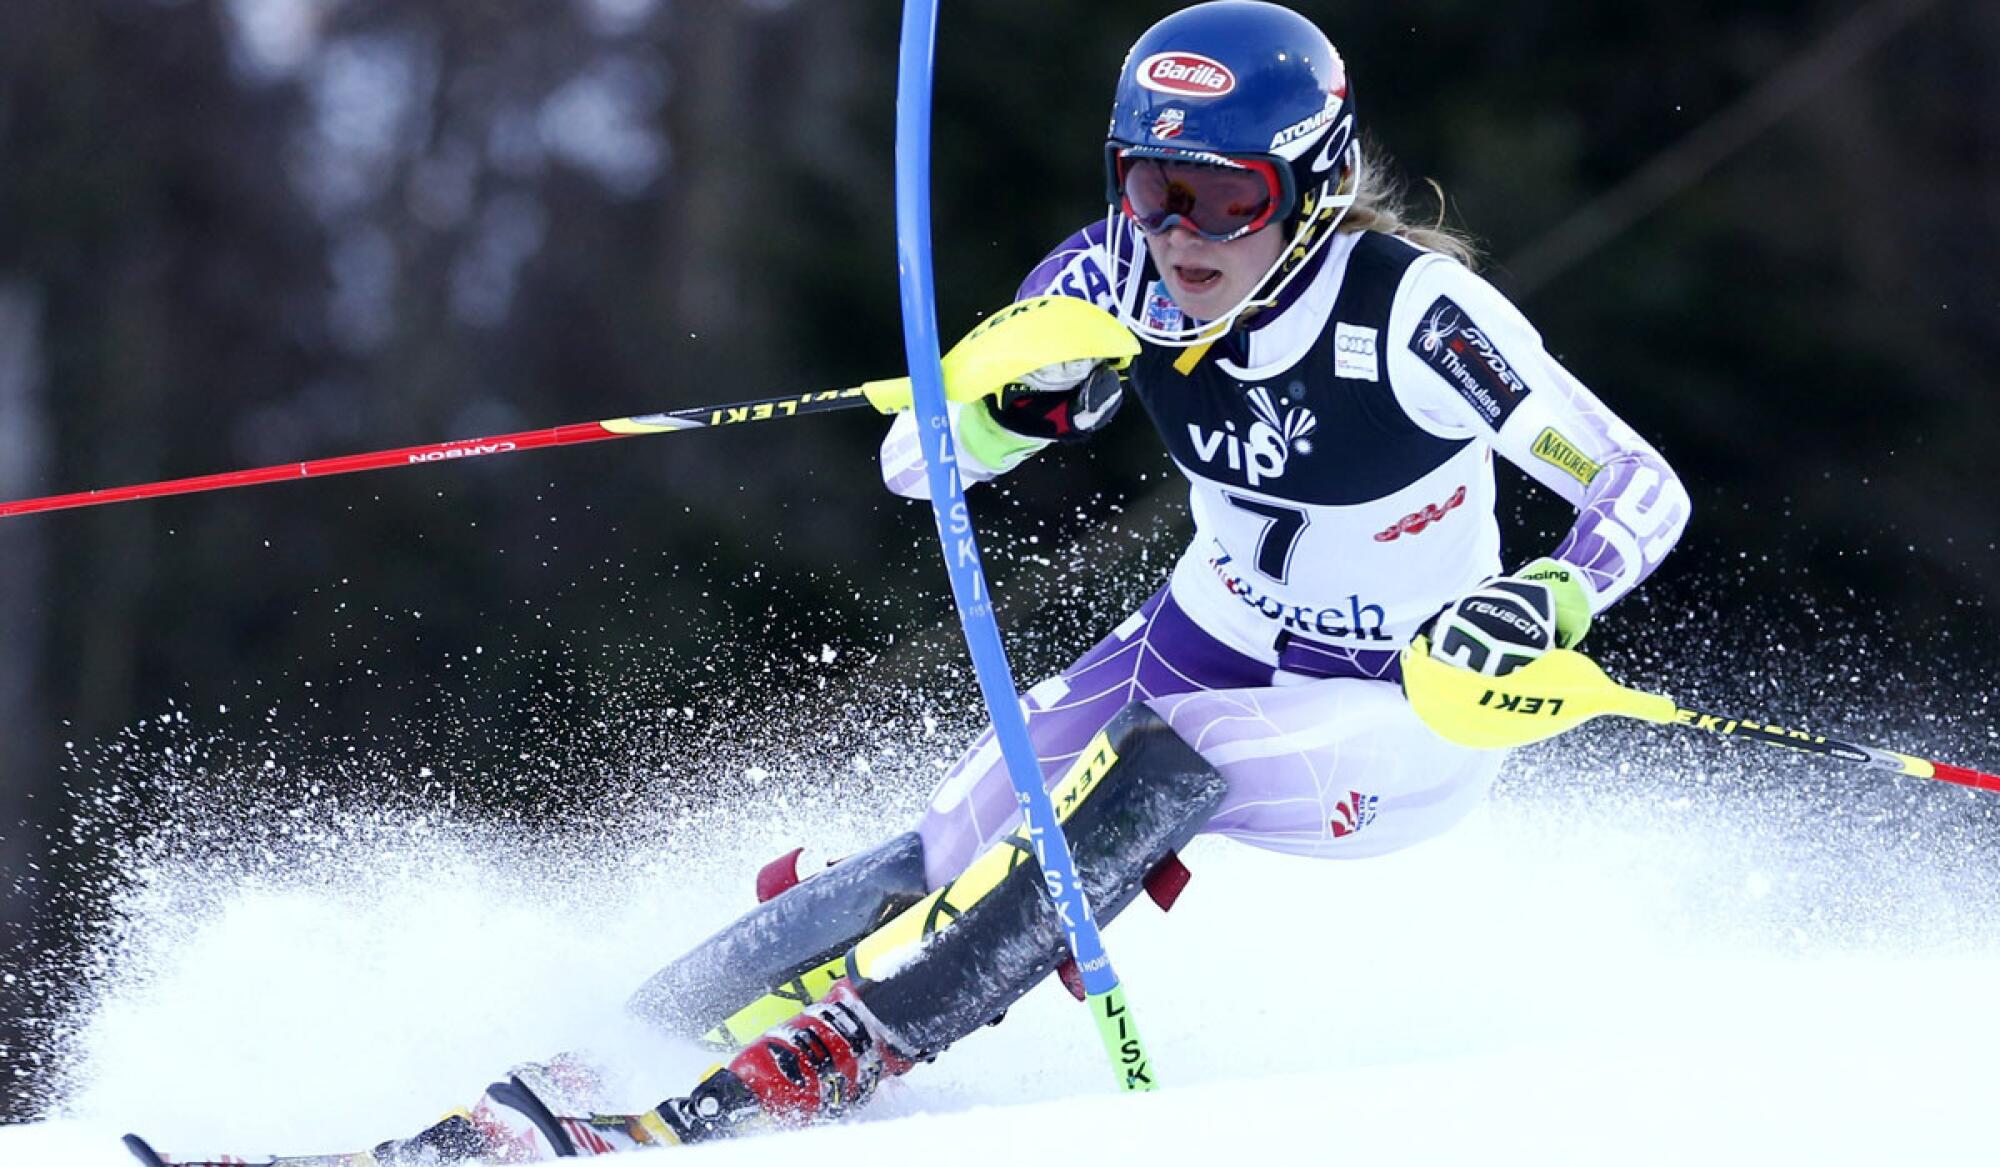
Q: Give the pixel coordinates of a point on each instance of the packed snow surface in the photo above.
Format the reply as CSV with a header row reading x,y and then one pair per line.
x,y
1598,969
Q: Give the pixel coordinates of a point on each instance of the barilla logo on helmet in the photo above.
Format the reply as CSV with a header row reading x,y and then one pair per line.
x,y
1186,75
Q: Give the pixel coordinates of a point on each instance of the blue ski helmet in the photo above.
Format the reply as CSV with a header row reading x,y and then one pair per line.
x,y
1247,84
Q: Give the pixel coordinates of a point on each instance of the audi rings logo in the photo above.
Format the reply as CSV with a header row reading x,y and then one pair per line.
x,y
1186,75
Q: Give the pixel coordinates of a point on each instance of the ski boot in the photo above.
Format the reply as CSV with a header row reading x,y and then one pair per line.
x,y
818,1066
523,1119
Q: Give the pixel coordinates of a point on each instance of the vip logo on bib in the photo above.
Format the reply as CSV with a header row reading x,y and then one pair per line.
x,y
1266,448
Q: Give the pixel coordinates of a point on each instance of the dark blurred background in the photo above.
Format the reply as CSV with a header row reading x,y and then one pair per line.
x,y
242,232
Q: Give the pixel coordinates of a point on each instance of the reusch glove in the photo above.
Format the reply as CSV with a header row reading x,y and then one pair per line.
x,y
1064,402
1571,593
1509,621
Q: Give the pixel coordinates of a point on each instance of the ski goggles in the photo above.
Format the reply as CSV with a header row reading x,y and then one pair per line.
x,y
1217,197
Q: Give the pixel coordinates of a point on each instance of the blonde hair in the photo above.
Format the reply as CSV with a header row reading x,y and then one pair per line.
x,y
1383,206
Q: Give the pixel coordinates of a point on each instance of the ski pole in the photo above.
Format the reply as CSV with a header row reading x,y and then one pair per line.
x,y
450,451
1016,340
1562,689
1103,993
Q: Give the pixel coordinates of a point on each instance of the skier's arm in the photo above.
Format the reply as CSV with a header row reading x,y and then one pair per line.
x,y
1469,364
985,450
993,438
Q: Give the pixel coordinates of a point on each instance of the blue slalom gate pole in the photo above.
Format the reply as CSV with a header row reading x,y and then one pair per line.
x,y
1102,991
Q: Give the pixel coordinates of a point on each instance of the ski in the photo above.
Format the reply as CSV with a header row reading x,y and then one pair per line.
x,y
458,1138
452,1139
151,1158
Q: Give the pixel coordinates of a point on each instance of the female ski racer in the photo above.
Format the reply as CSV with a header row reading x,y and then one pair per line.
x,y
1334,384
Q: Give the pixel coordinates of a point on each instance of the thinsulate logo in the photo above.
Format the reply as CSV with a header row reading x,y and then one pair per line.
x,y
1186,75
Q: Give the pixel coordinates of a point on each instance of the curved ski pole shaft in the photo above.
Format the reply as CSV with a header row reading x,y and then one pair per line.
x,y
989,658
1010,343
1812,743
700,417
1562,689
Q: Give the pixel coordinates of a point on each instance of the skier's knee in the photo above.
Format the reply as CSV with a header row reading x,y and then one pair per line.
x,y
967,951
787,938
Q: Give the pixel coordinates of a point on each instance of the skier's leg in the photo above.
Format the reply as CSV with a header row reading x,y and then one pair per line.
x,y
970,949
774,947
1136,794
941,968
783,953
1339,768
1155,652
1135,811
1335,768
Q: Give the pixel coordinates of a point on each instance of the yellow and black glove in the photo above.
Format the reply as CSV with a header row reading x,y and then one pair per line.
x,y
1508,621
1065,402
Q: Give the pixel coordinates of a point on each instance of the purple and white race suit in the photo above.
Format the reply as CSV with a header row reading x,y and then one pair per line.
x,y
1339,452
